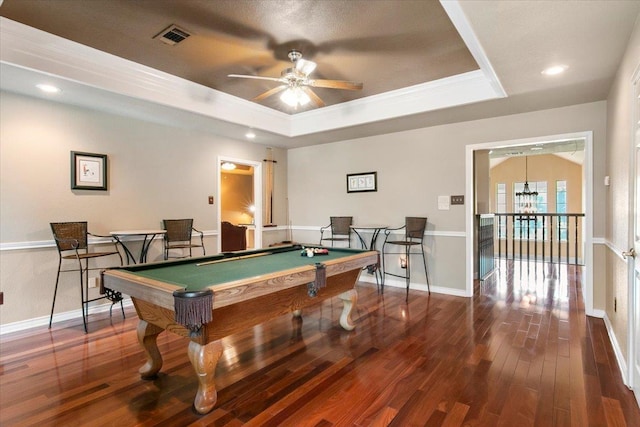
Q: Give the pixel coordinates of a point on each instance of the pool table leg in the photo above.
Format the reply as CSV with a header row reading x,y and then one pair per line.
x,y
204,359
147,337
349,300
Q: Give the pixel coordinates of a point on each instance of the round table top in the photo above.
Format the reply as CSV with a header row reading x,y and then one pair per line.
x,y
369,227
137,232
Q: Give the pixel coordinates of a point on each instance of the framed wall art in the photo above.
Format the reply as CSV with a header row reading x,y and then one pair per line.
x,y
88,171
361,182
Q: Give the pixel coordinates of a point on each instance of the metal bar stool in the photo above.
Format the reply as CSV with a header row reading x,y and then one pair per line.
x,y
71,240
340,228
414,237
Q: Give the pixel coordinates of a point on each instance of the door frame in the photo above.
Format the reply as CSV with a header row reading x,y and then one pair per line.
x,y
257,197
633,318
587,205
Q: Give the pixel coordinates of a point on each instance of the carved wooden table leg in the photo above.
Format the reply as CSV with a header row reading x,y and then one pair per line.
x,y
204,359
349,300
147,337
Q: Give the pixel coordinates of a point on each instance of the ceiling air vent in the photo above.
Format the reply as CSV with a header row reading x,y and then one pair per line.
x,y
172,35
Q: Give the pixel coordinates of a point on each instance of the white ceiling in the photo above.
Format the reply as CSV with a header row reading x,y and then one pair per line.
x,y
510,41
571,150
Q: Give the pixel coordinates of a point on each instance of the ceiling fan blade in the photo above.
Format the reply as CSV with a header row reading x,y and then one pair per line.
x,y
245,76
269,93
336,84
314,98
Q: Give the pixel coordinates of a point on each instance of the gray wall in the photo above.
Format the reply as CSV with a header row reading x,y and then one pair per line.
x,y
414,168
155,172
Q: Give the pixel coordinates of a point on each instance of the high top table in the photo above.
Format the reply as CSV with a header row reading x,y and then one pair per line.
x,y
147,238
375,230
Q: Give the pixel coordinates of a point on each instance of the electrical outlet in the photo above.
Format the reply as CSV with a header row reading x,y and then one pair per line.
x,y
94,282
457,200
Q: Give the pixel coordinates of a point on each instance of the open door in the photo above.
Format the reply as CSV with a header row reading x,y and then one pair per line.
x,y
240,208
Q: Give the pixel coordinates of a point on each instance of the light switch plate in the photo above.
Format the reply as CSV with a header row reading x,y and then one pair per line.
x,y
443,203
457,200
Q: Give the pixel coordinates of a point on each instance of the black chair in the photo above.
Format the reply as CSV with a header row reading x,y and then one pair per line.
x,y
413,237
71,240
178,236
339,230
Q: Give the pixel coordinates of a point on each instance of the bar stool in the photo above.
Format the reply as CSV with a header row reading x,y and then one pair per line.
x,y
414,237
71,240
179,235
340,228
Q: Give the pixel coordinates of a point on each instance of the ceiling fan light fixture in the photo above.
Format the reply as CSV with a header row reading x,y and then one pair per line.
x,y
228,166
305,67
294,97
295,84
303,98
289,98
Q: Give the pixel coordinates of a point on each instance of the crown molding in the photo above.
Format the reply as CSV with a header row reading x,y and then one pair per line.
x,y
103,77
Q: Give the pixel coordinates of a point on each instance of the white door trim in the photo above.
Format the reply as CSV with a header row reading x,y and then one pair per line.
x,y
587,202
257,194
632,297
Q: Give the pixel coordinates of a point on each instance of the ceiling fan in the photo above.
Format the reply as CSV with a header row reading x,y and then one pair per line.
x,y
296,83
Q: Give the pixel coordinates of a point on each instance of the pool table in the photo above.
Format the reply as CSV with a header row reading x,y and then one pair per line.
x,y
206,299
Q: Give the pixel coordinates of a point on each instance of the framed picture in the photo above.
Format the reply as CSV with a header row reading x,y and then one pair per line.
x,y
359,182
88,171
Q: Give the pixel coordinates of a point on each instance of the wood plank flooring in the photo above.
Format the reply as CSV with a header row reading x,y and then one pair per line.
x,y
520,353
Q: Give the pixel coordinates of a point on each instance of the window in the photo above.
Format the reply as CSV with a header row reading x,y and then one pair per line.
x,y
530,227
561,207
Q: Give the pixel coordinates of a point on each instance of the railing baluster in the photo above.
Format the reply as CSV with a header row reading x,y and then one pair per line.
x,y
535,237
552,226
576,239
568,237
544,241
513,240
551,239
559,241
528,235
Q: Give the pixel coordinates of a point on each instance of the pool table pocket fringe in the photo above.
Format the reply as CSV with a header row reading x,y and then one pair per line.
x,y
320,282
193,309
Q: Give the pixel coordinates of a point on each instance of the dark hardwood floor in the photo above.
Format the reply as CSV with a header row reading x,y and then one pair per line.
x,y
520,353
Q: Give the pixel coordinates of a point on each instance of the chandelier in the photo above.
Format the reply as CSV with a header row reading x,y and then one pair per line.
x,y
526,198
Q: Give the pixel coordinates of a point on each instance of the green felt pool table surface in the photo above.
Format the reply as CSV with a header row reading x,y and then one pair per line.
x,y
196,274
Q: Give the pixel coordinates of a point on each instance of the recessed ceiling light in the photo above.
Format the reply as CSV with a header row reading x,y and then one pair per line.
x,y
48,88
536,148
250,135
555,70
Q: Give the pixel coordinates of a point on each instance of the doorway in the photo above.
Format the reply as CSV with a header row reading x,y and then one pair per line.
x,y
240,202
587,205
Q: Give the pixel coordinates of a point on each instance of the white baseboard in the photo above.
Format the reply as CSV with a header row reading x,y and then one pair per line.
x,y
394,283
59,317
622,362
